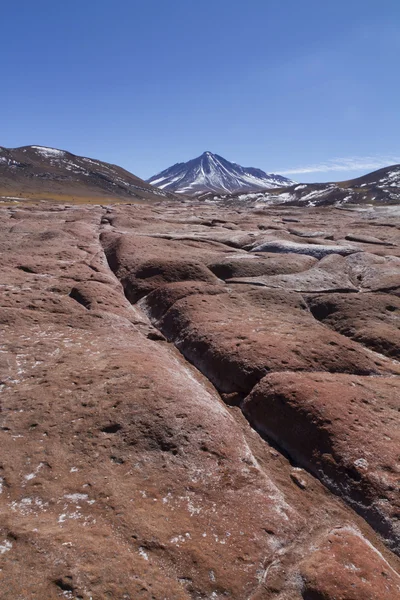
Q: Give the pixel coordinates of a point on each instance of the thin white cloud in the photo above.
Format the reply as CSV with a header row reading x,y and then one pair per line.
x,y
355,163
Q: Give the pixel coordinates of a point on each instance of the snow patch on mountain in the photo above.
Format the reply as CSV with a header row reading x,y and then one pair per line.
x,y
48,152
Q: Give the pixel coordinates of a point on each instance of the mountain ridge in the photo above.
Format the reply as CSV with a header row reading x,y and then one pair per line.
x,y
43,172
378,187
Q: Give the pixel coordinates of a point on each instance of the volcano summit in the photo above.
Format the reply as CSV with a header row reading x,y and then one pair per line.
x,y
212,173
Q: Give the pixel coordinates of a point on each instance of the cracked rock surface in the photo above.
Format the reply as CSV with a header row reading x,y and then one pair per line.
x,y
192,409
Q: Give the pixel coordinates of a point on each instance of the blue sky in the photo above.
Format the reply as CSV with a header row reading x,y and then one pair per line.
x,y
306,88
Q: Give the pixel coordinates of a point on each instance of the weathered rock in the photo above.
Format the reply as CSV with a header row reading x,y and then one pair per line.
x,y
253,265
235,336
375,273
144,264
343,565
366,239
123,474
327,275
342,428
310,234
371,319
316,250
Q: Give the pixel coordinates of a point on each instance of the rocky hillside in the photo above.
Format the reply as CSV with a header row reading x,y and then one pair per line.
x,y
380,187
212,173
199,403
38,172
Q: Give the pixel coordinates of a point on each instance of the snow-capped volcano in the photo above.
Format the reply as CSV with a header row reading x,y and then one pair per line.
x,y
212,173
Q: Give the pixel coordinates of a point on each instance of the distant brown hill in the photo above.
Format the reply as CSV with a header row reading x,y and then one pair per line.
x,y
43,173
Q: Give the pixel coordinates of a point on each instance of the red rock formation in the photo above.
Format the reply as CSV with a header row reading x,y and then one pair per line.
x,y
124,474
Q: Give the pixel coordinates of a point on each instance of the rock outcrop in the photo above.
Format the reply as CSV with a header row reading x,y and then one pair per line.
x,y
184,418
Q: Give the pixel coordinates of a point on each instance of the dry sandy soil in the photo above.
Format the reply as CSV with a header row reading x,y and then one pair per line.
x,y
199,403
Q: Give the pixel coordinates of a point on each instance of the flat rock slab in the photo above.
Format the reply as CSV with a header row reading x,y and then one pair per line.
x,y
310,233
321,277
366,239
253,265
315,250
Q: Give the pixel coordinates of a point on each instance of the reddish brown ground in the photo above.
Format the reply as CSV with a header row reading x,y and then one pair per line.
x,y
184,418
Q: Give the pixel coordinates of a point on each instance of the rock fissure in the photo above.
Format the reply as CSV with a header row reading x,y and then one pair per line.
x,y
296,458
